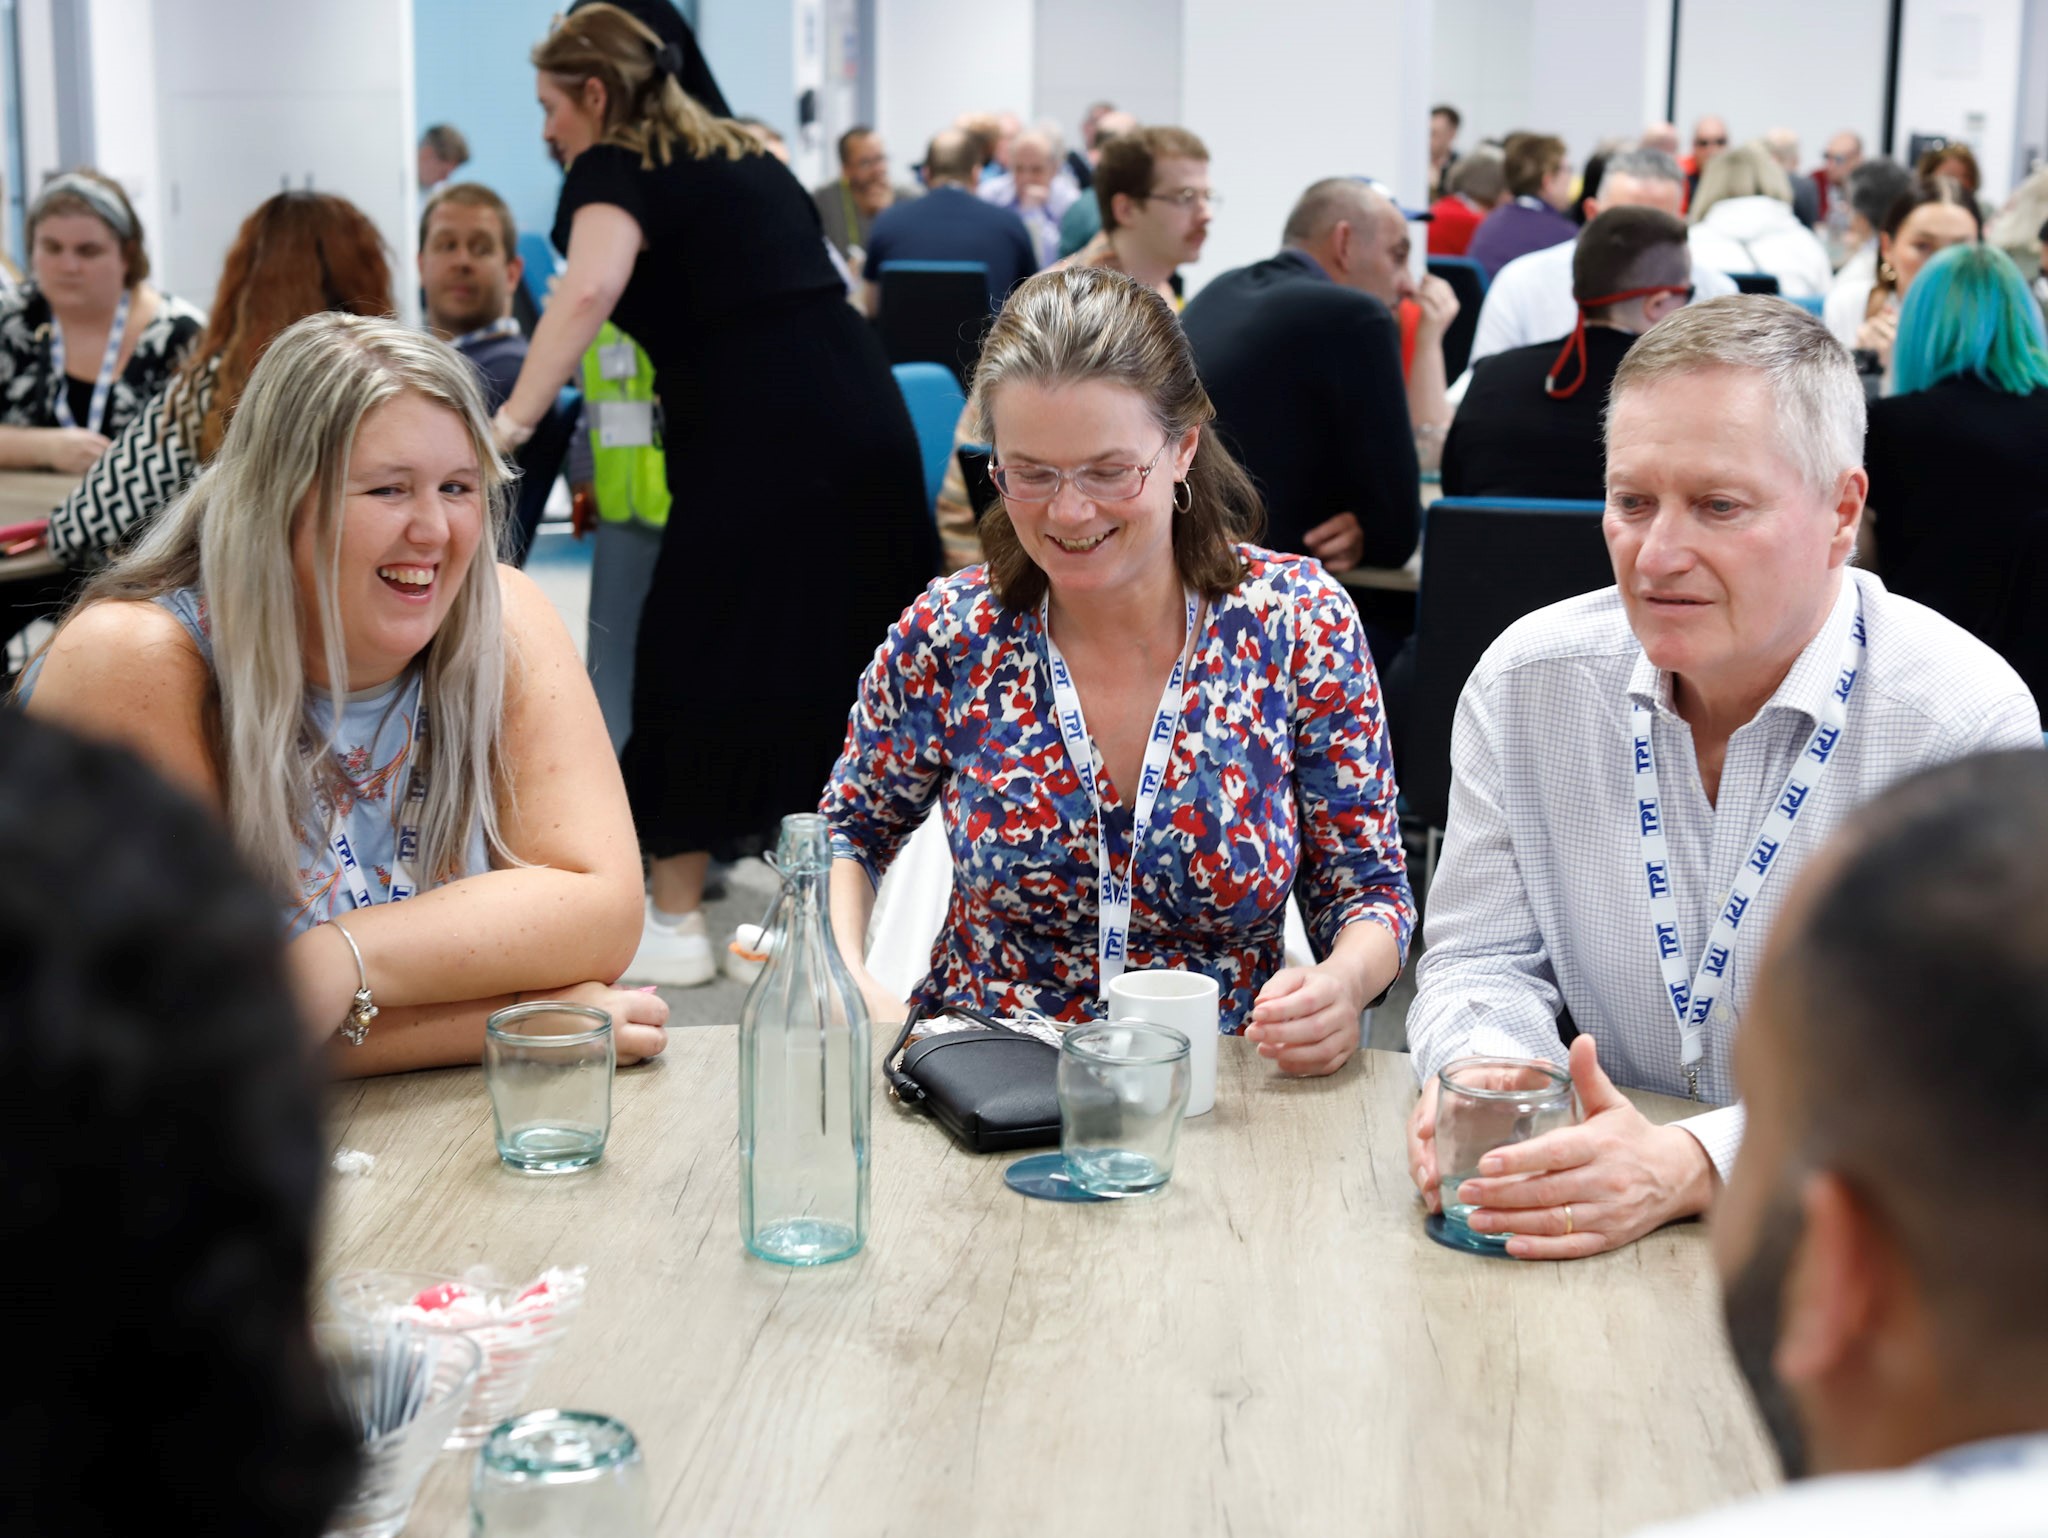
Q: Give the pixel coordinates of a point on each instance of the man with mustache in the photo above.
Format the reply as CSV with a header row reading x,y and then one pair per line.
x,y
1638,772
1883,1241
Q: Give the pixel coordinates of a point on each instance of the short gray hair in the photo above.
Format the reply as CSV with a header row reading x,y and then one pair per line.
x,y
1875,185
1645,165
1812,379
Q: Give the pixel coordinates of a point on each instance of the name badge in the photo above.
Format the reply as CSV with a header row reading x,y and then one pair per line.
x,y
624,424
617,360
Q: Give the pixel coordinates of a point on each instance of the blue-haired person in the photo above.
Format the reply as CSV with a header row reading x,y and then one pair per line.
x,y
1958,456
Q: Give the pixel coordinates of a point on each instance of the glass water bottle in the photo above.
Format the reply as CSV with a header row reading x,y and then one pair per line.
x,y
804,1075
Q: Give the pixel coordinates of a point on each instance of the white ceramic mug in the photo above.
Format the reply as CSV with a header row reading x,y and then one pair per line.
x,y
1188,1002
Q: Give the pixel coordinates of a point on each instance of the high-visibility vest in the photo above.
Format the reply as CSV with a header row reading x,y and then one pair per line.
x,y
631,482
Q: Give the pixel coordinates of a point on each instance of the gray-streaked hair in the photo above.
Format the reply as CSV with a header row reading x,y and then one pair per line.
x,y
286,457
1812,379
1644,165
1875,185
1748,172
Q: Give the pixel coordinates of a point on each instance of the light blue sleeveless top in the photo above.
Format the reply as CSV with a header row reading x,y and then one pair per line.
x,y
373,752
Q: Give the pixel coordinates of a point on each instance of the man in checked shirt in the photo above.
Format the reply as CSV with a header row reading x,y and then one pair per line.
x,y
1633,769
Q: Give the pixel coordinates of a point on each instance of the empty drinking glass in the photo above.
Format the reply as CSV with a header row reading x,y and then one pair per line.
x,y
559,1474
549,1068
1484,1103
1123,1086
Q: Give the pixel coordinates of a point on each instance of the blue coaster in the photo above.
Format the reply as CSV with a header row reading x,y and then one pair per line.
x,y
1045,1177
1433,1225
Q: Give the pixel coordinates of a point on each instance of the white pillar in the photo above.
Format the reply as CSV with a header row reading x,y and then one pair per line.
x,y
1288,91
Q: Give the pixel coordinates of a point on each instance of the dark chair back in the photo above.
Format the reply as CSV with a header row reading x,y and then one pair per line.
x,y
981,491
934,312
1486,562
1755,282
1468,282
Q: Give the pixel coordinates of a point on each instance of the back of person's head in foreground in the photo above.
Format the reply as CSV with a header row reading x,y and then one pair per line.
x,y
298,254
1075,354
1969,312
620,79
1883,1241
359,446
161,1160
1735,485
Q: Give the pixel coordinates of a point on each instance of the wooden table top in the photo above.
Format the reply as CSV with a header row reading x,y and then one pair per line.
x,y
26,494
1270,1346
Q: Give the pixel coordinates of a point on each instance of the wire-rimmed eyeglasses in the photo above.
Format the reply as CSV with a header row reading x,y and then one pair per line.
x,y
1098,483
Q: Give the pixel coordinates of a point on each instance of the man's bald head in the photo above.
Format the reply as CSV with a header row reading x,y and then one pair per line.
x,y
1327,202
954,155
1355,235
1661,136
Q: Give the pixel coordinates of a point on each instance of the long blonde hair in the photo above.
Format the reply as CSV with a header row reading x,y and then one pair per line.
x,y
230,536
645,110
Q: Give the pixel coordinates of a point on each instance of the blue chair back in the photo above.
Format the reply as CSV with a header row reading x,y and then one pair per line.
x,y
935,400
541,265
1486,562
1813,304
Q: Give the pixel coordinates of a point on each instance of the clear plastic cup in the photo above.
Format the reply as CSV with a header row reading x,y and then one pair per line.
x,y
401,1390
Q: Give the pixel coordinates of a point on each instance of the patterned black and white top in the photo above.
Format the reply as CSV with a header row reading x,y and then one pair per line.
x,y
29,386
150,463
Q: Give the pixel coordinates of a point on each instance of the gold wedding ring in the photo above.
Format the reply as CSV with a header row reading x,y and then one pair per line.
x,y
1567,1218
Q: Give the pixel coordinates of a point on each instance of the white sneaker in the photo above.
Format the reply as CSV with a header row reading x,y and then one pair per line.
x,y
673,957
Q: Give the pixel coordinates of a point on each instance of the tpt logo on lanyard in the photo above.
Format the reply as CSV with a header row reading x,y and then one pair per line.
x,y
1694,996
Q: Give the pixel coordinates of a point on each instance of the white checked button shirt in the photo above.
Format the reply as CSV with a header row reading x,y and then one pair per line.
x,y
1539,902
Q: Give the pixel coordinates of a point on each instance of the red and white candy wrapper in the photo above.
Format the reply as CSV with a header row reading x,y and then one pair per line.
x,y
515,1328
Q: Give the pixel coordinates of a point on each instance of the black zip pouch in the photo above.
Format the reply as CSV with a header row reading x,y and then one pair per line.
x,y
992,1089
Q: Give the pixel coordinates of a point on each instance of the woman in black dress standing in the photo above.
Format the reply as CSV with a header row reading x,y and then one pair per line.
x,y
800,528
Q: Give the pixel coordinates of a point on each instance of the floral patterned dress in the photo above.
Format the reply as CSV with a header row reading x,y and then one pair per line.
x,y
1280,781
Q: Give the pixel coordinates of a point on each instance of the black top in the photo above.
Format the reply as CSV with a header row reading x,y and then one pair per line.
x,y
1306,378
1959,501
1510,439
769,253
950,224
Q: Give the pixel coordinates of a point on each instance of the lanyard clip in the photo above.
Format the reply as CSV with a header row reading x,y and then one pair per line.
x,y
1692,1082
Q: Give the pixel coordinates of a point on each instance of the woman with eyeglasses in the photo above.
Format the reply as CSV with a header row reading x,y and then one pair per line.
x,y
800,519
1141,730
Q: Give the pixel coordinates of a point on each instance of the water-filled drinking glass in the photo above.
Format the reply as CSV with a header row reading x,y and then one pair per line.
x,y
1484,1103
549,1068
1123,1087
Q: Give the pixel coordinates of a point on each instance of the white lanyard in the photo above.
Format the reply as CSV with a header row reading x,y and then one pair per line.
x,y
504,325
1693,995
103,386
1113,899
402,883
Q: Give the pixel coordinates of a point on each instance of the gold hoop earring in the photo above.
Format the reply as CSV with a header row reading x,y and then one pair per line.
x,y
1887,274
1178,505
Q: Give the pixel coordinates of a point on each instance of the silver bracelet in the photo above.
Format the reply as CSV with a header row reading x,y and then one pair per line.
x,y
355,1025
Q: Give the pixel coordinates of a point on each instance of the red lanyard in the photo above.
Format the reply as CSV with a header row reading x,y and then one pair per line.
x,y
1576,342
